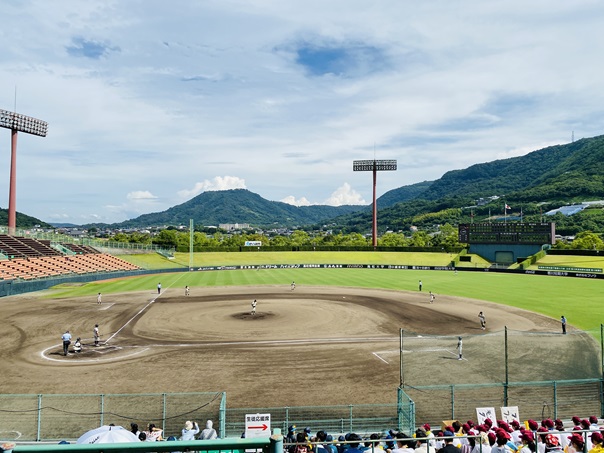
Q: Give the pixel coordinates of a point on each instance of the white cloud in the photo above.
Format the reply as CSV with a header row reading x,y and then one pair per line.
x,y
58,217
296,202
344,195
140,195
218,183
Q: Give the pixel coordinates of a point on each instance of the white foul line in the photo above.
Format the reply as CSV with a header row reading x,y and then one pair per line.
x,y
375,354
130,320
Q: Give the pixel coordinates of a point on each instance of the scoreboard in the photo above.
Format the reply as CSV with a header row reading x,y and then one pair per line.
x,y
507,233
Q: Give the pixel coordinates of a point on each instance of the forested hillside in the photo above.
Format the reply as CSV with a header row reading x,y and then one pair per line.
x,y
238,206
530,185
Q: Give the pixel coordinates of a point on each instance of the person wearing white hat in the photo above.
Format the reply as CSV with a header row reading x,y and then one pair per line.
x,y
189,431
209,433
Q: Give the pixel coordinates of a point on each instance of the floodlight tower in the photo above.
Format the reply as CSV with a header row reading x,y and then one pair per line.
x,y
18,123
374,166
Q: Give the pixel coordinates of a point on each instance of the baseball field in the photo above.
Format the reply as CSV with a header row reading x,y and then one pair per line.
x,y
334,339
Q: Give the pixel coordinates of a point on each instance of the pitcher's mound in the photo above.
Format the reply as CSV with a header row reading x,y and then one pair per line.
x,y
246,316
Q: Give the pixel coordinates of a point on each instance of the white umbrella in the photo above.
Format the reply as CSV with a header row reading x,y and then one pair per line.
x,y
107,435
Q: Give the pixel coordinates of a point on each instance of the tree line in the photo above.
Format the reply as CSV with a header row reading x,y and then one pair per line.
x,y
445,238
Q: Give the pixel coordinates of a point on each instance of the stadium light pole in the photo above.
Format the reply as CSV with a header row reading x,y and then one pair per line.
x,y
18,123
374,166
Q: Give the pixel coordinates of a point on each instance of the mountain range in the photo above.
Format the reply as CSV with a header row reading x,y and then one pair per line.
x,y
556,174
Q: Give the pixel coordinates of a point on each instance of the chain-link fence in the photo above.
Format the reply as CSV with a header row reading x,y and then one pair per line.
x,y
57,417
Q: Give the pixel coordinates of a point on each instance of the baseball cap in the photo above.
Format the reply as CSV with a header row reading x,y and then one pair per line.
x,y
551,439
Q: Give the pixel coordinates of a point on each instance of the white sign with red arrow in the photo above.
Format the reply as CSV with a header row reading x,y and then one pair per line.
x,y
257,425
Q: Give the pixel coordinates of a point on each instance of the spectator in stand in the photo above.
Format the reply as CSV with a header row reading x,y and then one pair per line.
x,y
559,426
421,441
481,444
340,446
492,438
429,434
528,443
586,425
321,438
438,441
373,445
515,431
329,446
540,439
593,423
389,440
552,444
576,443
208,433
190,430
291,435
456,430
300,446
142,436
307,433
449,447
153,433
548,423
488,423
597,441
576,421
472,440
465,443
353,446
134,429
503,442
404,444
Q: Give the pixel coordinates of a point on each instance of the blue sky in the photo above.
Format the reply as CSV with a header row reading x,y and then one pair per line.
x,y
150,103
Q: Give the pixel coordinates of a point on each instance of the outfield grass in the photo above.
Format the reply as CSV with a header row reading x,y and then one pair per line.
x,y
578,299
156,261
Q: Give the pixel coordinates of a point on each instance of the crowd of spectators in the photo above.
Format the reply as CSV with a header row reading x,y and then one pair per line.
x,y
189,432
547,436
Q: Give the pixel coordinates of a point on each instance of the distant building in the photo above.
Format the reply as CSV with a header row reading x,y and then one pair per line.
x,y
234,226
482,201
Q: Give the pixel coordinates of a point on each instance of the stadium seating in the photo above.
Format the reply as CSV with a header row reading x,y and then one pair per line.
x,y
29,258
